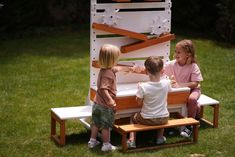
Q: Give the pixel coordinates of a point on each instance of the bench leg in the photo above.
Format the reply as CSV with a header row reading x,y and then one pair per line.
x,y
62,132
202,111
216,116
53,126
61,139
215,121
195,133
124,144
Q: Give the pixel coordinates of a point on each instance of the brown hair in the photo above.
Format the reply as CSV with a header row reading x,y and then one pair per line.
x,y
153,65
109,55
188,47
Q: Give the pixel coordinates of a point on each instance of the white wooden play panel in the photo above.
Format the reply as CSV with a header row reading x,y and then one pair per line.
x,y
140,30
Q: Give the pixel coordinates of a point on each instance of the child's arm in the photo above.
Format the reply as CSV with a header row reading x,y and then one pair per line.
x,y
109,99
139,101
193,84
134,69
123,68
175,84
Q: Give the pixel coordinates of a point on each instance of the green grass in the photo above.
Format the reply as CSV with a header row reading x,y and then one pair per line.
x,y
37,74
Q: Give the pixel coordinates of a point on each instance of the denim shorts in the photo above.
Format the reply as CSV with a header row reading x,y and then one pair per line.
x,y
102,116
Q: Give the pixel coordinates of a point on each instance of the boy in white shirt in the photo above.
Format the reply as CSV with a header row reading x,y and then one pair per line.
x,y
152,95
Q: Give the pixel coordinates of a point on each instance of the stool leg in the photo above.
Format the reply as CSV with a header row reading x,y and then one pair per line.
x,y
195,133
124,139
201,111
53,125
216,116
62,132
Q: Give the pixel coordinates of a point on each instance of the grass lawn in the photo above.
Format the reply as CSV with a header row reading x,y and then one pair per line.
x,y
39,73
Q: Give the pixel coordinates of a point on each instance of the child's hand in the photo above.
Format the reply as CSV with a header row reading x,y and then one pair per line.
x,y
174,84
137,69
114,107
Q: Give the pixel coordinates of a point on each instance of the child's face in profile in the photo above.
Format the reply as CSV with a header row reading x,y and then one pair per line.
x,y
180,55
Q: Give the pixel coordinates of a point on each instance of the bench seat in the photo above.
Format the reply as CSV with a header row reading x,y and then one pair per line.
x,y
127,128
60,115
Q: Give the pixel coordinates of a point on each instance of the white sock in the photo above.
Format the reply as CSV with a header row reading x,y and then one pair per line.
x,y
106,143
92,139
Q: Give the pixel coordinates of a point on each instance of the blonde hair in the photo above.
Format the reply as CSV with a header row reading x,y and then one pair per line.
x,y
109,55
153,65
188,47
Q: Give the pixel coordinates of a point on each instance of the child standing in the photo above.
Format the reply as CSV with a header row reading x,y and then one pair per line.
x,y
153,96
184,72
103,109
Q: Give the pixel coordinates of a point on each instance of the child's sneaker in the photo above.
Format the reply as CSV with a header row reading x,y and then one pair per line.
x,y
108,147
161,140
131,144
186,132
92,144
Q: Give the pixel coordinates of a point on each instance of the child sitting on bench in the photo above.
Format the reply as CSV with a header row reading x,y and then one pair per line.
x,y
153,96
184,72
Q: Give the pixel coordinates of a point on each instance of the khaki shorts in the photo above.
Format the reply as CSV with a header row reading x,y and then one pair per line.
x,y
102,117
138,119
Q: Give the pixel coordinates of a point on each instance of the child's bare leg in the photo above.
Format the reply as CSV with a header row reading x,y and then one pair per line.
x,y
132,134
160,133
105,135
94,131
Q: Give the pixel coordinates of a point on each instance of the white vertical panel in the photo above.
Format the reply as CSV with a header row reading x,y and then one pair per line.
x,y
137,17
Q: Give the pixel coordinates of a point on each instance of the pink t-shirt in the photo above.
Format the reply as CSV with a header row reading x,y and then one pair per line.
x,y
183,74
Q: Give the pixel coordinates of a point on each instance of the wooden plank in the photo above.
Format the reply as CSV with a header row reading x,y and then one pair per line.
x,y
119,31
171,123
140,45
129,102
121,0
95,64
153,0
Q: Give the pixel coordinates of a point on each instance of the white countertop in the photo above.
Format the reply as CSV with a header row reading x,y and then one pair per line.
x,y
130,89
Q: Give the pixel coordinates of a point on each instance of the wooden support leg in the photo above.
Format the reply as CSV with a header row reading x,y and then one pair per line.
x,y
202,111
216,116
61,138
53,126
124,144
62,132
195,133
215,121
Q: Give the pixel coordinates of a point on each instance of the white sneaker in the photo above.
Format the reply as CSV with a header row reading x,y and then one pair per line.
x,y
108,147
186,132
92,144
161,140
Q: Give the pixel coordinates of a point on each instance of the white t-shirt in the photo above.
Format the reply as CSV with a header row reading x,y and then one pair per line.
x,y
155,98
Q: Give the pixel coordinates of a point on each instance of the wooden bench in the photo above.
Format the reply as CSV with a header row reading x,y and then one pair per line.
x,y
125,129
60,115
207,101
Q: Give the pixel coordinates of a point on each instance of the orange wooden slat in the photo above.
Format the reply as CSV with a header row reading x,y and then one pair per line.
x,y
119,31
129,102
171,123
147,43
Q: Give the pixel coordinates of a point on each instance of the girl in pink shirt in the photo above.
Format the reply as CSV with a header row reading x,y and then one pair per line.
x,y
184,72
